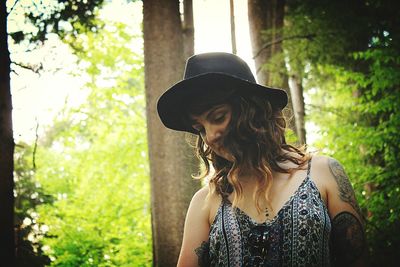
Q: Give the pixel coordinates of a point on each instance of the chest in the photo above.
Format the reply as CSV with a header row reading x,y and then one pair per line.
x,y
299,232
266,207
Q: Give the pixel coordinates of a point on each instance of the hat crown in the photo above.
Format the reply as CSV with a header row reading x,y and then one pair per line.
x,y
218,62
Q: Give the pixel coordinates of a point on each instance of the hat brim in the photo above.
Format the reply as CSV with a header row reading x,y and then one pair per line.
x,y
171,104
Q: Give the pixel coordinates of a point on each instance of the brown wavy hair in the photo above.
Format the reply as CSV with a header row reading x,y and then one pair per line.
x,y
255,137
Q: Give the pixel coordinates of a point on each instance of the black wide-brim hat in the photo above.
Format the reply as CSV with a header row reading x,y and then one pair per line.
x,y
208,72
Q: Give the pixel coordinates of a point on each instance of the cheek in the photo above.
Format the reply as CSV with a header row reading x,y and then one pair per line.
x,y
228,122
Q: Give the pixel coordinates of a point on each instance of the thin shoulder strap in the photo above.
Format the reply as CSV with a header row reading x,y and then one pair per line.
x,y
309,167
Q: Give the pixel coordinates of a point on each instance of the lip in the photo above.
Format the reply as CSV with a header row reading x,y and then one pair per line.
x,y
217,148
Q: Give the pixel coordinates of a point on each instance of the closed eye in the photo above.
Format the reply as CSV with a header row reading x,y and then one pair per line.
x,y
219,118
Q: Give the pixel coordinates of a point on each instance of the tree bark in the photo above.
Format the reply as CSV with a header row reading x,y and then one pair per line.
x,y
268,16
233,27
188,28
7,243
172,161
296,89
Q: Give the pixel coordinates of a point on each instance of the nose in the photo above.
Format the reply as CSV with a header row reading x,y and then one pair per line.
x,y
213,135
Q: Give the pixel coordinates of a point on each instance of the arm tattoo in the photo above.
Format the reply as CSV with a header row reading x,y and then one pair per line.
x,y
346,191
347,236
203,253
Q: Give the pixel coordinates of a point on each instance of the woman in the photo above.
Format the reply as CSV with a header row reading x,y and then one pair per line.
x,y
267,203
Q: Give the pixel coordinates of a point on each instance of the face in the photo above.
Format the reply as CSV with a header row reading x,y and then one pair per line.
x,y
212,126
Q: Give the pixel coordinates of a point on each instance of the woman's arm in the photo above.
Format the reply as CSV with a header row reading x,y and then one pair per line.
x,y
196,229
348,242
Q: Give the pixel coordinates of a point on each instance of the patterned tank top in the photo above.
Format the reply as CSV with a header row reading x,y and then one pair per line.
x,y
297,236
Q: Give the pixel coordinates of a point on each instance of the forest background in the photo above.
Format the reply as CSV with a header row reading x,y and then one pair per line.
x,y
88,190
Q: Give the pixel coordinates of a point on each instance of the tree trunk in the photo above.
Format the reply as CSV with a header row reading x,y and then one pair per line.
x,y
233,28
265,15
171,159
7,252
188,28
268,16
296,89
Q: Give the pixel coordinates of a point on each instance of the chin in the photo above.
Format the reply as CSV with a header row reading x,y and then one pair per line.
x,y
225,155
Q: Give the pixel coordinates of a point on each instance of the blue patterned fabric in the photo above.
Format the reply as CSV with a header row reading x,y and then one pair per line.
x,y
297,236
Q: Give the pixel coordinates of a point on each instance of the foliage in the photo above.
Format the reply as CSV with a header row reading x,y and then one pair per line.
x,y
92,206
93,161
315,34
350,65
363,134
65,18
28,196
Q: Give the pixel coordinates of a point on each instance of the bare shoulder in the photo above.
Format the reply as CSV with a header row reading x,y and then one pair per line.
x,y
199,204
348,240
321,175
320,163
197,226
327,171
207,203
339,190
201,194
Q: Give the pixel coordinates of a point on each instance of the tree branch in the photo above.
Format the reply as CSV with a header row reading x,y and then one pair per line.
x,y
33,68
280,40
35,145
326,110
12,8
